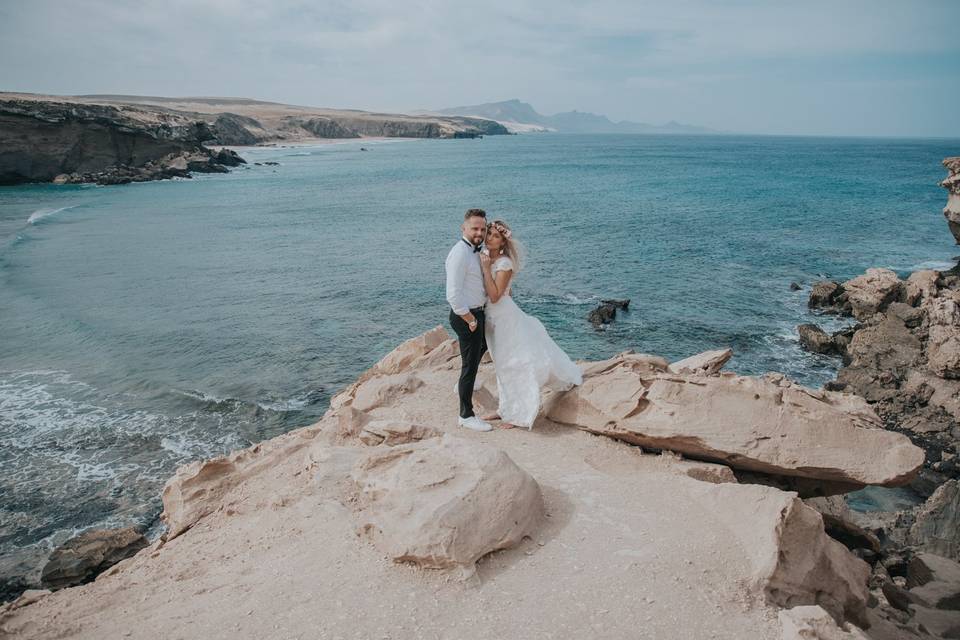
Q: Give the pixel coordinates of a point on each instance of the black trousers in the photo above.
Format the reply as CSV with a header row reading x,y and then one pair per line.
x,y
473,344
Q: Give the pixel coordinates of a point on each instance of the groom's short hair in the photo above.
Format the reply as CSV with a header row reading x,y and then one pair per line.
x,y
475,212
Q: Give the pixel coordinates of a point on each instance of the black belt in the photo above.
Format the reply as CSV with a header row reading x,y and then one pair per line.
x,y
476,309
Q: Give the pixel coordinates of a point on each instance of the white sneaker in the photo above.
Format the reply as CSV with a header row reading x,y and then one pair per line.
x,y
474,423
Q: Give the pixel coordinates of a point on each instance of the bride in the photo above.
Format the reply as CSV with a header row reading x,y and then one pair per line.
x,y
524,356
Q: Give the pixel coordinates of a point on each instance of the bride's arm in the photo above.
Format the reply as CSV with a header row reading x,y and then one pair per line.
x,y
495,285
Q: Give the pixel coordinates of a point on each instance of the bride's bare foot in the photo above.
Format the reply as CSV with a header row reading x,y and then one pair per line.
x,y
506,425
491,416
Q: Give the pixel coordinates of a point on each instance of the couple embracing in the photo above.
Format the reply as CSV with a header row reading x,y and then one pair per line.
x,y
480,268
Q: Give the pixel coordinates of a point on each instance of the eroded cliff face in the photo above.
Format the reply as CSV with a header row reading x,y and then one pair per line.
x,y
42,140
116,139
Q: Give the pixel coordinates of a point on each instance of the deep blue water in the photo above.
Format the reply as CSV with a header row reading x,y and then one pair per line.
x,y
146,325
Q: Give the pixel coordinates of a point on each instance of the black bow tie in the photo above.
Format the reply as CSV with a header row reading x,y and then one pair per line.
x,y
476,249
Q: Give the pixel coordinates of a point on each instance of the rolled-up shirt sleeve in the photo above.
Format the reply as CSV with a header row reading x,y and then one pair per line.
x,y
456,273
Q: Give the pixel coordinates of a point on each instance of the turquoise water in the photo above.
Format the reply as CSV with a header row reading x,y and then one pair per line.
x,y
147,325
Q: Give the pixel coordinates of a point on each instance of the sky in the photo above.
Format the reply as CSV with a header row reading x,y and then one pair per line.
x,y
843,67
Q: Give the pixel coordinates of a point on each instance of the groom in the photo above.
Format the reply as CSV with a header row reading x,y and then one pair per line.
x,y
466,296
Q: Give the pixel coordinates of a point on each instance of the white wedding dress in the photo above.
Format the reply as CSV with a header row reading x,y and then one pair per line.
x,y
526,359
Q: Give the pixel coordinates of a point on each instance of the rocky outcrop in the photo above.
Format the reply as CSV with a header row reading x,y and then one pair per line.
x,y
904,359
446,502
816,340
793,562
46,139
606,311
84,557
384,462
767,425
952,184
117,139
936,527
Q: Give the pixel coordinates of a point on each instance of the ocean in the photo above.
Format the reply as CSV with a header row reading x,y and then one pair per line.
x,y
147,325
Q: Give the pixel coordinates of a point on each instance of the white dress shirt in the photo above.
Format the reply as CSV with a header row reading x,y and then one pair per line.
x,y
464,278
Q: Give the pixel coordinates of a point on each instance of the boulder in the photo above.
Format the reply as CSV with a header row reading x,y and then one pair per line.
x,y
935,580
605,313
872,292
815,339
880,356
445,502
829,297
811,622
84,557
793,562
706,363
937,525
922,285
767,425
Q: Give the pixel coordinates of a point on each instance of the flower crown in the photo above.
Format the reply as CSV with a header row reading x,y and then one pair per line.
x,y
502,229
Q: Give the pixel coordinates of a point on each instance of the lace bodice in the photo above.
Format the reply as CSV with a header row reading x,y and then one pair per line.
x,y
503,263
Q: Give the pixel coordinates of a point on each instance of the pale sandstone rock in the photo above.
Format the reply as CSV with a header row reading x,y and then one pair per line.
x,y
382,390
938,580
706,363
199,488
394,432
952,184
401,358
922,285
404,358
445,502
793,561
766,424
872,292
811,622
937,525
943,346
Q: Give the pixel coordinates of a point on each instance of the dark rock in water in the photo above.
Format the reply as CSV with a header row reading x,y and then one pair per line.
x,y
229,158
815,339
620,304
606,312
794,286
271,164
829,297
83,558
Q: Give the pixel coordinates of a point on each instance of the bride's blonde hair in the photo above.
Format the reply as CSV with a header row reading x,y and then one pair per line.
x,y
511,246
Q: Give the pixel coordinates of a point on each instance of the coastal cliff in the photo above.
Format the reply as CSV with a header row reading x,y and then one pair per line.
x,y
116,139
569,529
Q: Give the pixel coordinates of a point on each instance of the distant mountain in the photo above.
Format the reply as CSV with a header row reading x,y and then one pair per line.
x,y
520,116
